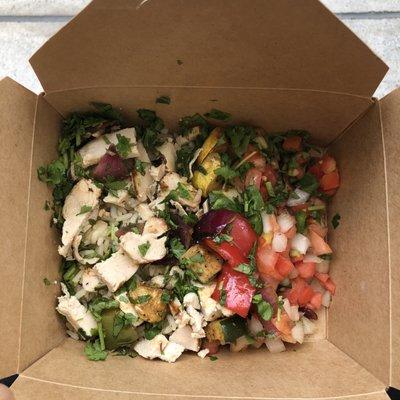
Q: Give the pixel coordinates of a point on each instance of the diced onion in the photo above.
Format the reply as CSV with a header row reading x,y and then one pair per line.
x,y
279,242
266,221
326,299
300,197
323,267
298,332
312,258
285,222
300,243
275,345
254,325
291,311
308,326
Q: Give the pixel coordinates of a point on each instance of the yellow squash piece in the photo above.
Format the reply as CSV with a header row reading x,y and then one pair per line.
x,y
209,144
208,181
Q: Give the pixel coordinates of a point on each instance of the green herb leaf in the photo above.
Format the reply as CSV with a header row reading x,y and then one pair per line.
x,y
219,200
165,297
94,351
98,305
163,100
213,358
123,146
217,114
142,299
85,209
222,237
244,268
107,111
177,248
46,282
181,192
264,309
143,248
222,299
239,138
309,183
335,220
226,173
140,166
301,217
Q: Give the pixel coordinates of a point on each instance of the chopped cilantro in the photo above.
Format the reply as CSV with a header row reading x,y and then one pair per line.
x,y
165,297
46,281
244,268
301,217
98,305
150,134
253,205
163,100
140,166
85,209
264,309
239,138
308,183
213,358
142,299
94,352
181,192
222,299
123,146
222,237
177,248
217,114
151,331
226,173
335,220
121,320
219,200
143,248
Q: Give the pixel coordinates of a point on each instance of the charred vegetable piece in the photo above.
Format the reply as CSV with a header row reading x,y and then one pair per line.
x,y
204,264
206,179
115,337
209,144
226,330
148,303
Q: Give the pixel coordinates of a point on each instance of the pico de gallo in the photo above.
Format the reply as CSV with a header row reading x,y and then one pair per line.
x,y
192,239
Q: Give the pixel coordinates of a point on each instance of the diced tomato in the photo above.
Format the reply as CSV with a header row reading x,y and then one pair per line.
x,y
283,266
322,277
253,177
306,269
284,326
212,346
256,159
238,291
301,292
316,170
243,234
330,192
266,260
290,234
292,143
318,244
229,252
330,181
316,301
305,295
270,174
300,207
326,282
327,164
317,228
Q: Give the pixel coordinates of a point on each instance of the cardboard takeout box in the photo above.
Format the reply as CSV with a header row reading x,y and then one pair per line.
x,y
280,64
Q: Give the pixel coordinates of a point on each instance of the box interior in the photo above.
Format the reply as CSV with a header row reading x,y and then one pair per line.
x,y
303,70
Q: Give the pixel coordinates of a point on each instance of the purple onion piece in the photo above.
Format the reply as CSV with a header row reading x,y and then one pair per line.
x,y
212,223
110,166
184,231
308,313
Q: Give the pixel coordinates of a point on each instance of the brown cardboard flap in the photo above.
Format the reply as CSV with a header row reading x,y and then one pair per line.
x,y
41,327
390,114
208,43
324,115
359,318
17,106
314,370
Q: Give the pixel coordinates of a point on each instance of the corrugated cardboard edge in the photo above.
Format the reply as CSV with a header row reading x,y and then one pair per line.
x,y
389,108
18,110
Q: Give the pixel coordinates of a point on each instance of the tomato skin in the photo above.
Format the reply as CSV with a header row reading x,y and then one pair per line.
x,y
330,181
292,143
283,266
229,252
327,164
253,177
266,260
238,290
318,244
316,170
243,234
306,269
301,292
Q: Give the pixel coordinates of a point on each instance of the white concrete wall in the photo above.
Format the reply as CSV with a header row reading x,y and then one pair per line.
x,y
26,24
